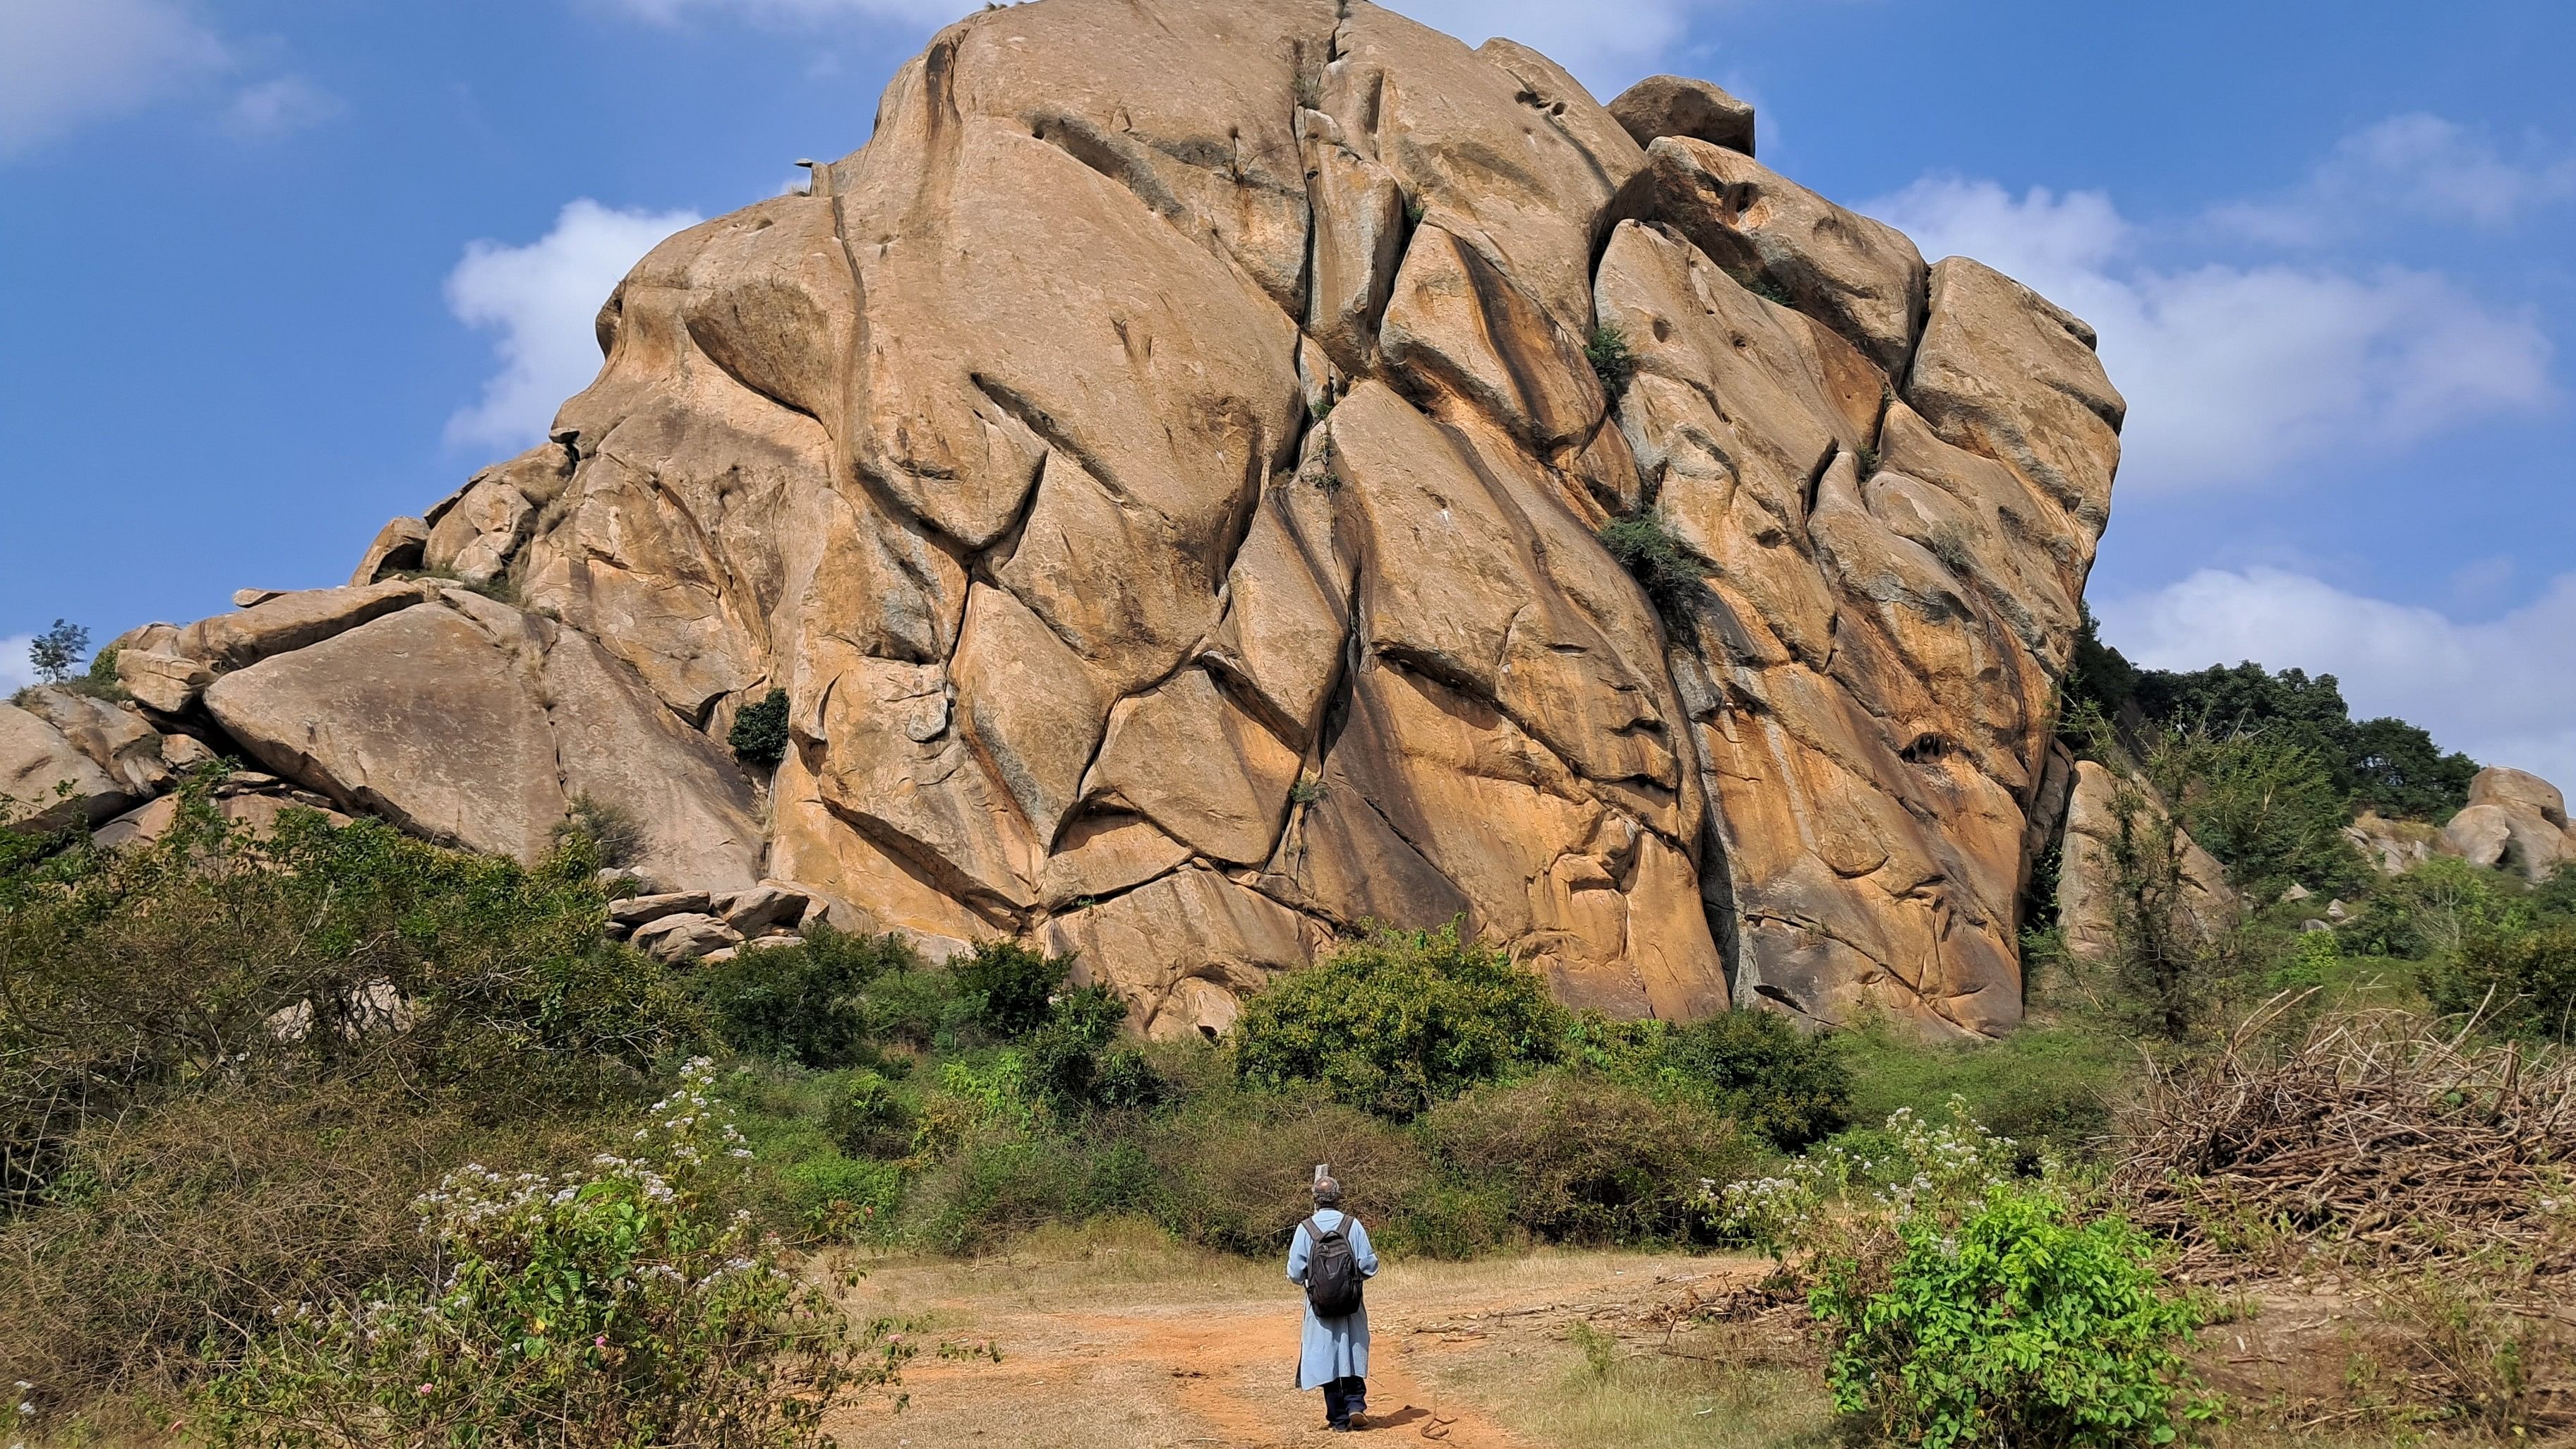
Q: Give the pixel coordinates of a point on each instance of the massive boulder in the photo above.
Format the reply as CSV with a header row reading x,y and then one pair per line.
x,y
2513,819
1164,469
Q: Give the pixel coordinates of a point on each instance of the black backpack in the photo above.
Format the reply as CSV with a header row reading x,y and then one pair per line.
x,y
1332,1273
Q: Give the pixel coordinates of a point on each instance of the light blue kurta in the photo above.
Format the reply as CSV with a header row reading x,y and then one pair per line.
x,y
1332,1348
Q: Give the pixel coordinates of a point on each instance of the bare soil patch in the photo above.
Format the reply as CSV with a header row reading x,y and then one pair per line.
x,y
1121,1339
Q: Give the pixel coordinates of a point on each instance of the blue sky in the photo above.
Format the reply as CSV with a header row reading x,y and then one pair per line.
x,y
272,271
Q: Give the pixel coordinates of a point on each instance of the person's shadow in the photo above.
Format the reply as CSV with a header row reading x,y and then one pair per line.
x,y
1401,1417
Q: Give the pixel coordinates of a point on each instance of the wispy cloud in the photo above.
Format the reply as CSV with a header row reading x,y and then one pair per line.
x,y
279,107
541,298
803,12
2234,372
64,63
15,672
2504,690
2436,172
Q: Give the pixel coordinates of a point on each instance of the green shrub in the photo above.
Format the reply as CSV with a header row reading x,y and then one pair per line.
x,y
2268,808
2046,1085
1008,985
871,1118
321,951
1073,1066
1612,361
835,1198
759,733
1399,1021
2432,910
216,1210
1581,1159
1233,1167
1669,570
621,1307
1959,1305
804,1003
2522,983
2014,1324
1792,1087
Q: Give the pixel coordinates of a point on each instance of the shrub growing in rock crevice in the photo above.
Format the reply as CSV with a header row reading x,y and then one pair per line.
x,y
1670,571
759,733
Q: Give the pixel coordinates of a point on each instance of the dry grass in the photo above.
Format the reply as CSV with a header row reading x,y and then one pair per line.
x,y
1619,1380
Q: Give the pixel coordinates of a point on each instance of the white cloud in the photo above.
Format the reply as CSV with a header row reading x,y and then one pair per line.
x,y
15,672
542,299
279,107
64,62
1606,44
2233,372
806,12
2443,172
2503,690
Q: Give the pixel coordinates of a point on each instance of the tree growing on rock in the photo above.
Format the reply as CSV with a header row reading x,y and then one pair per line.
x,y
56,651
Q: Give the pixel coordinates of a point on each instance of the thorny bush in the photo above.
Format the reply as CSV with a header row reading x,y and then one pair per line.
x,y
623,1307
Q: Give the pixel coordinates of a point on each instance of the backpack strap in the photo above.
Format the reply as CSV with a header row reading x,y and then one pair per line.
x,y
1315,1230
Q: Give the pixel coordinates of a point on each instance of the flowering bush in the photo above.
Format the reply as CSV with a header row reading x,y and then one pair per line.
x,y
619,1308
1961,1305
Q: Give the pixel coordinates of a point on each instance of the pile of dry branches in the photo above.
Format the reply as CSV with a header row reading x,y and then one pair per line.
x,y
2373,1138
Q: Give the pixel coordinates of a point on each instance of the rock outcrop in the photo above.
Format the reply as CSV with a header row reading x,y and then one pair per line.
x,y
2120,836
2513,819
1163,470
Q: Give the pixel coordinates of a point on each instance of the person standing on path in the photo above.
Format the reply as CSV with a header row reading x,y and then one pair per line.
x,y
1329,1258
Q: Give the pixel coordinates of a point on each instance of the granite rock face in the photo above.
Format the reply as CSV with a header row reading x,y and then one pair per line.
x,y
1163,469
2117,827
2513,819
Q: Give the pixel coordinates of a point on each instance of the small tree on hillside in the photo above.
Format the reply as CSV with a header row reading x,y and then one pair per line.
x,y
57,650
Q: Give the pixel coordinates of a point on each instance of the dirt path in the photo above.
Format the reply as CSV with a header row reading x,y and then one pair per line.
x,y
1141,1344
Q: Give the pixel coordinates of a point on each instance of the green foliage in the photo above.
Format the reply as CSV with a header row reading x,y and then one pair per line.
x,y
1762,285
2432,910
1791,1087
218,1208
804,1003
55,652
1399,1021
1582,1159
2172,970
2520,983
1960,1305
759,733
1008,985
2014,1324
1668,569
2266,806
1073,1066
2047,1084
1612,361
617,1307
319,951
2386,765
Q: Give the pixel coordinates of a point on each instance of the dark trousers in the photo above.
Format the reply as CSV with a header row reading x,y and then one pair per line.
x,y
1343,1398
